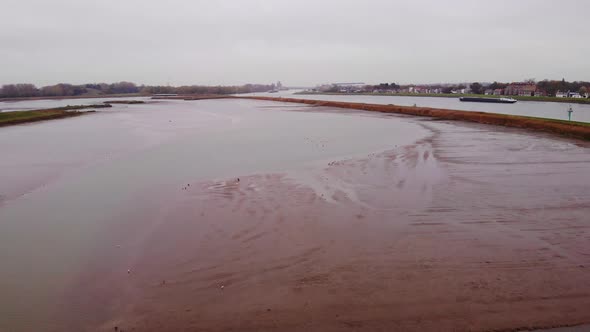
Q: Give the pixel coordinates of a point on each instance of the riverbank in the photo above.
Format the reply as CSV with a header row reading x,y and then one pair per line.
x,y
192,97
127,102
19,117
455,95
93,96
573,129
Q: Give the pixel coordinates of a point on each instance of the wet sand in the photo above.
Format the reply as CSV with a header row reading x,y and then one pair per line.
x,y
469,229
383,223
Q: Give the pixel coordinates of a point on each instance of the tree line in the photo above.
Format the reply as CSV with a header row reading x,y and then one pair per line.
x,y
203,89
66,90
551,87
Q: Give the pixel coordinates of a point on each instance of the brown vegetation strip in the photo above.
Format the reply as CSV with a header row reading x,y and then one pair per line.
x,y
39,116
192,97
19,117
564,128
75,107
129,102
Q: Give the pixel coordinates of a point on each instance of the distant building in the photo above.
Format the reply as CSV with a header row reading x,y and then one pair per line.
x,y
340,87
520,89
348,87
498,92
569,94
420,89
489,92
356,84
540,93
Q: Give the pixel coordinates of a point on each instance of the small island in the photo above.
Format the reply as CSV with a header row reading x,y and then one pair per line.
x,y
19,117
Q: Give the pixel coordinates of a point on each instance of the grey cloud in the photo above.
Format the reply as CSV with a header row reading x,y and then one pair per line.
x,y
299,42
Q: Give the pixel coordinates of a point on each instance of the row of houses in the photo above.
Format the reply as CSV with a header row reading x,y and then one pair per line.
x,y
528,89
517,89
570,94
523,89
513,89
495,92
422,89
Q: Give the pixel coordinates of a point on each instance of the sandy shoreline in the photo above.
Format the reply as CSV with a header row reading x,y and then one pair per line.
x,y
447,234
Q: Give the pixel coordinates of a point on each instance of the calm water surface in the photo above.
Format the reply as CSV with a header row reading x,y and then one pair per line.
x,y
69,186
72,189
549,110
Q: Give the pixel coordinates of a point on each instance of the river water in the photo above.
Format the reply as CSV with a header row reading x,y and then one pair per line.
x,y
65,182
97,210
551,110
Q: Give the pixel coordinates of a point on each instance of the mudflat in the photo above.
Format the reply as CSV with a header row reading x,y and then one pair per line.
x,y
473,228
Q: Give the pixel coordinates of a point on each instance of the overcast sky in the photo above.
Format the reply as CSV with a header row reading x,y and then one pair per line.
x,y
300,42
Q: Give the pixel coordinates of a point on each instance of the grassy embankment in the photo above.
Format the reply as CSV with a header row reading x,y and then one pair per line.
x,y
452,95
560,127
18,117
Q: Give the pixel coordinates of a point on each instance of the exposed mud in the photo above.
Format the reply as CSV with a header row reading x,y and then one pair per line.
x,y
466,230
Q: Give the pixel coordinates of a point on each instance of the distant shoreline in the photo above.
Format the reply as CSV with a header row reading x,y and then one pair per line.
x,y
451,95
20,117
131,95
573,129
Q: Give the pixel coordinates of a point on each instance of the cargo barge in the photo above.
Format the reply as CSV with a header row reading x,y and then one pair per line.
x,y
489,100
